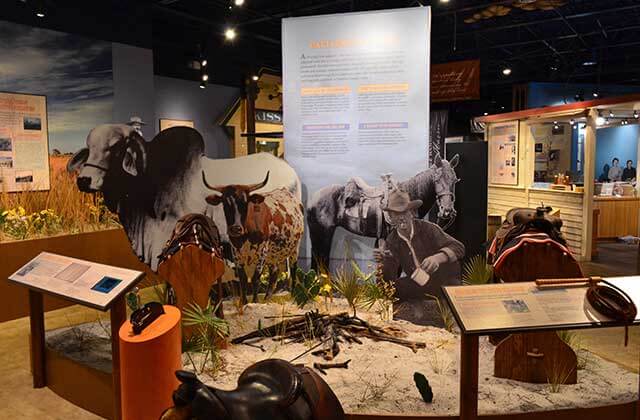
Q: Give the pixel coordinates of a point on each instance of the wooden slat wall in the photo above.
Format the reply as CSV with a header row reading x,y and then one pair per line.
x,y
502,199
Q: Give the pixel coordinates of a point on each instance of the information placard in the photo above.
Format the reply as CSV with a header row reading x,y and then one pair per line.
x,y
24,143
520,306
356,99
92,284
503,153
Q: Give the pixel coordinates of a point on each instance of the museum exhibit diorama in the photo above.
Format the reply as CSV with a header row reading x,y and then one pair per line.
x,y
253,209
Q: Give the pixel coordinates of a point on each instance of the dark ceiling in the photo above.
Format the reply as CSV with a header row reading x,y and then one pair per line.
x,y
590,41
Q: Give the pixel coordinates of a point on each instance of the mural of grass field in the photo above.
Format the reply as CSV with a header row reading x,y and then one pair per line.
x,y
61,210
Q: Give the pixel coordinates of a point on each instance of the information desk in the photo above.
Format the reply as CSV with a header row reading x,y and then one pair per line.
x,y
97,286
516,308
618,216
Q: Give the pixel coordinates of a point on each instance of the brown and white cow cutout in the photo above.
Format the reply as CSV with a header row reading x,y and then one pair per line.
x,y
265,229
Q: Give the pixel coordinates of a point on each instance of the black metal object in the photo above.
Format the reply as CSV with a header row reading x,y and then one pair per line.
x,y
145,316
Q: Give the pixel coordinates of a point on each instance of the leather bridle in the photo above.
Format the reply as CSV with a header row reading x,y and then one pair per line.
x,y
92,165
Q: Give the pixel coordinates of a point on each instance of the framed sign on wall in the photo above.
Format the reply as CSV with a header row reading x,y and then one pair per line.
x,y
168,123
503,153
24,143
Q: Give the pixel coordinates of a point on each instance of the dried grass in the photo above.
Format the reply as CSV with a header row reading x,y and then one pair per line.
x,y
78,211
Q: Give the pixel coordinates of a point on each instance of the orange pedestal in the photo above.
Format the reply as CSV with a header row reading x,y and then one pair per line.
x,y
148,362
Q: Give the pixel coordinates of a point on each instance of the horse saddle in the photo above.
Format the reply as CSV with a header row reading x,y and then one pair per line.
x,y
193,229
271,389
520,221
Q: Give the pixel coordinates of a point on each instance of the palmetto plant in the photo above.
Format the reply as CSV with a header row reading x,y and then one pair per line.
x,y
306,287
350,286
208,331
477,271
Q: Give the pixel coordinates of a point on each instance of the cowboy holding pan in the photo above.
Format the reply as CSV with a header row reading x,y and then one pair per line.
x,y
417,248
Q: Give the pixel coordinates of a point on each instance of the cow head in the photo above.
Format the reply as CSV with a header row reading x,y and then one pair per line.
x,y
112,150
445,180
243,208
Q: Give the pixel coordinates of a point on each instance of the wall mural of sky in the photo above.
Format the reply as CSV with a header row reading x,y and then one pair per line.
x,y
75,73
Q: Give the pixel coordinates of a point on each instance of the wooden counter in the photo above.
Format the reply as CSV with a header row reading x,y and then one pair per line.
x,y
618,216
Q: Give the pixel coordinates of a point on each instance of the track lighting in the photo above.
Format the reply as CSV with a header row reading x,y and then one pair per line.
x,y
635,114
230,34
205,77
595,94
485,113
203,84
238,2
255,78
606,121
506,71
600,119
204,62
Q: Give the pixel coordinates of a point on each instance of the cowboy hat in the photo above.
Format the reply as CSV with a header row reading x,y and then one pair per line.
x,y
399,202
136,120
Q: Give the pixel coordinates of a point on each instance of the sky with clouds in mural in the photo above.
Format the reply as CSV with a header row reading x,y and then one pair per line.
x,y
75,73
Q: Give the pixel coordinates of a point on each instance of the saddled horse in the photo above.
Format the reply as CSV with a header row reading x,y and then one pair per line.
x,y
335,206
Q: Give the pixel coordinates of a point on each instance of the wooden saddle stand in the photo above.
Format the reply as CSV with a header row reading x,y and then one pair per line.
x,y
191,263
527,247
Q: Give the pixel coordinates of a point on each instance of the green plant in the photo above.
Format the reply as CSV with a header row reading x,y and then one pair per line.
x,y
208,330
380,294
558,376
348,284
306,287
477,271
445,313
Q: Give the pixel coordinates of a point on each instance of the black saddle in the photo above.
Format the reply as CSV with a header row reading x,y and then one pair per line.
x,y
193,229
268,390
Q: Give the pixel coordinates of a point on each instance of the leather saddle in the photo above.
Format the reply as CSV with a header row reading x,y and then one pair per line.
x,y
193,229
360,197
271,389
519,221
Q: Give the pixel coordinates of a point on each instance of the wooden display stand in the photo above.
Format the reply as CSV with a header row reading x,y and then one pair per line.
x,y
148,362
62,287
536,358
192,272
464,301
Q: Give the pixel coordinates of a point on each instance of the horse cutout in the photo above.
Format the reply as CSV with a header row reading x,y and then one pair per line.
x,y
357,207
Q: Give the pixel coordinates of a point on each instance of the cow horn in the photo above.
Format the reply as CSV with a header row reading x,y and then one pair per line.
x,y
253,187
204,179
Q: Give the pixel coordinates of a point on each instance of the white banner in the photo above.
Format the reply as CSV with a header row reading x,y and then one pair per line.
x,y
356,101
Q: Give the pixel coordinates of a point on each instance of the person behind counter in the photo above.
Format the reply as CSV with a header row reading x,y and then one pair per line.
x,y
615,173
629,172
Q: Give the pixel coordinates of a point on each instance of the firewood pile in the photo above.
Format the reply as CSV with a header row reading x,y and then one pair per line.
x,y
329,331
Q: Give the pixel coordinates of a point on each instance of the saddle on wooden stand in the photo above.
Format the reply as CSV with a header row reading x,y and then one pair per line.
x,y
529,246
191,262
271,389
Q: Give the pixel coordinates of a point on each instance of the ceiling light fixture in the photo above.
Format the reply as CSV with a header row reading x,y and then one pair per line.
x,y
204,62
611,114
238,2
255,78
600,119
606,121
506,71
205,77
595,94
203,84
485,114
230,34
635,114
589,63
